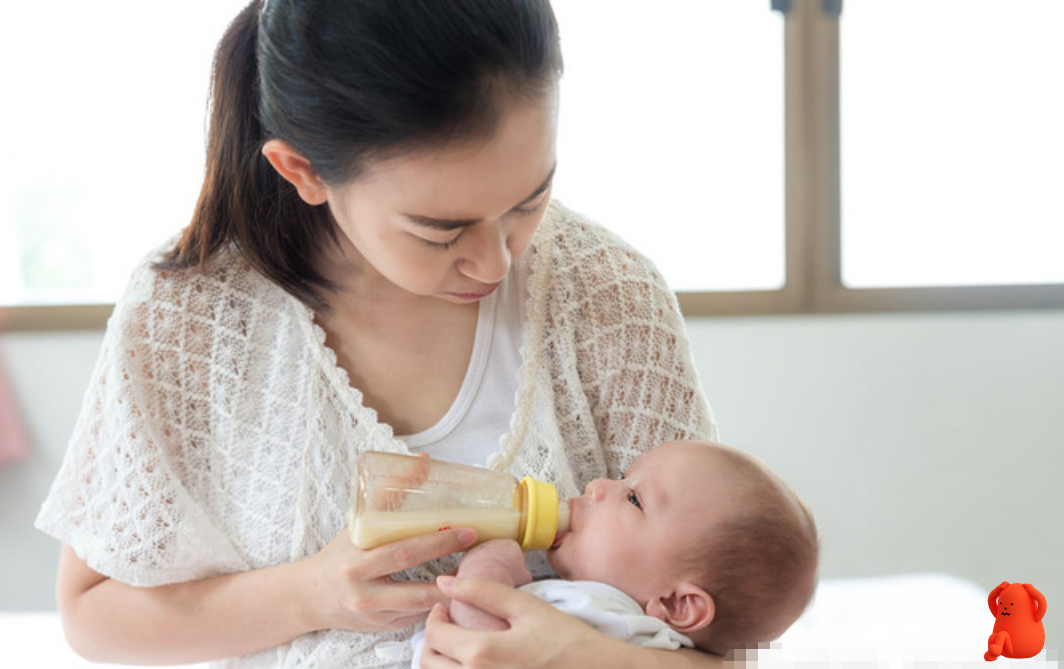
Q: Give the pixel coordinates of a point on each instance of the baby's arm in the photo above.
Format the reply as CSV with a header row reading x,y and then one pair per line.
x,y
498,560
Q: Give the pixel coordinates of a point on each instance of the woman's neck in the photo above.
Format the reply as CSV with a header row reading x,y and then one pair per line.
x,y
358,283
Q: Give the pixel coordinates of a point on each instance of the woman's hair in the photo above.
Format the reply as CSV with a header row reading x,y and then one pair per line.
x,y
347,82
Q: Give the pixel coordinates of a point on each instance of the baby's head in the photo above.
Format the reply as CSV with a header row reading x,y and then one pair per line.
x,y
703,536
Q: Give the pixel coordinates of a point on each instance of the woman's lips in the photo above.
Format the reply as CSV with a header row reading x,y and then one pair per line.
x,y
475,296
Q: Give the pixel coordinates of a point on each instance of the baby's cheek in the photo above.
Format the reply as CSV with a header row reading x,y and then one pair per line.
x,y
560,562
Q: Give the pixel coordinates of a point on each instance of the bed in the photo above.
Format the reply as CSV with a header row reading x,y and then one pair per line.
x,y
912,621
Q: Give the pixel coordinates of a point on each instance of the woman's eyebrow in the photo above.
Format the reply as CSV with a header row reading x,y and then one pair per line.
x,y
446,224
542,187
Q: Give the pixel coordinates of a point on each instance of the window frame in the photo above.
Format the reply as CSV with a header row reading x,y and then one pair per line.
x,y
54,317
813,224
812,216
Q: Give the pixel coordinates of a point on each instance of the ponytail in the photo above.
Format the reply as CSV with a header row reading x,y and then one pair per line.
x,y
244,201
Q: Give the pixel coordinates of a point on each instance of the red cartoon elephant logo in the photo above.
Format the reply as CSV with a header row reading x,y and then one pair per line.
x,y
1018,631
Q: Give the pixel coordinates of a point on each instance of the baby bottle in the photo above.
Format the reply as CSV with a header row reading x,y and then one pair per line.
x,y
397,496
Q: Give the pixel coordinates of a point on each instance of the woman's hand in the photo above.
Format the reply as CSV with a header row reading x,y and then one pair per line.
x,y
343,587
539,634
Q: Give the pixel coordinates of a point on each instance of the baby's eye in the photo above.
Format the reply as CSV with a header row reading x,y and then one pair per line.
x,y
634,499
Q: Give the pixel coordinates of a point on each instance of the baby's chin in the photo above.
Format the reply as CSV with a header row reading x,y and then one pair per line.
x,y
557,563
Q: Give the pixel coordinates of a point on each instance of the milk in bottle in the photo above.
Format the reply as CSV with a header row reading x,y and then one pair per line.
x,y
397,496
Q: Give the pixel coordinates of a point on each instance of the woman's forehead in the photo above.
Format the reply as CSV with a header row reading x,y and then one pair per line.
x,y
464,181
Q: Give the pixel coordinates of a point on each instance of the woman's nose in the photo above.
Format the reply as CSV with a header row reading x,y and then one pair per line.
x,y
488,257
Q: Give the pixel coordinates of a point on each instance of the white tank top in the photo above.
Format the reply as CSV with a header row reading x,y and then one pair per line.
x,y
480,416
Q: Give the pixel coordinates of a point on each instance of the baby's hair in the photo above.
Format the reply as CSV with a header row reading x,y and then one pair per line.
x,y
347,84
760,567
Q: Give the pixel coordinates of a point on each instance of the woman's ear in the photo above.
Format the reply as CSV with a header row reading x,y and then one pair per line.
x,y
296,170
687,609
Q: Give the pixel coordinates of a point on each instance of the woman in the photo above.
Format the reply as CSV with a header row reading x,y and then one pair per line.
x,y
374,263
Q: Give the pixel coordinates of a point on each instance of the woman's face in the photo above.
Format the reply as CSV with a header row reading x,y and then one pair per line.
x,y
448,223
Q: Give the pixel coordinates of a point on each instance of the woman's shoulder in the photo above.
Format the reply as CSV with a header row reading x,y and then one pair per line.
x,y
567,231
584,258
226,278
226,292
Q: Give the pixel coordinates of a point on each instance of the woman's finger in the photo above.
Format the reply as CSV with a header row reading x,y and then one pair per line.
x,y
406,553
443,640
401,620
430,660
496,598
410,597
394,606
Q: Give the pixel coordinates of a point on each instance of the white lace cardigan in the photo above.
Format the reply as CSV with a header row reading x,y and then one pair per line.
x,y
218,433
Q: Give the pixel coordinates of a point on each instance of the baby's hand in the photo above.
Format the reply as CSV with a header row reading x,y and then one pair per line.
x,y
500,560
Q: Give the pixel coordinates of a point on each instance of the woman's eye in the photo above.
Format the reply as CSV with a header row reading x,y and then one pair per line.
x,y
535,206
443,246
634,499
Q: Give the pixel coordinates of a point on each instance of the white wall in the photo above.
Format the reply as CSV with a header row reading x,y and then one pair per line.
x,y
929,442
48,374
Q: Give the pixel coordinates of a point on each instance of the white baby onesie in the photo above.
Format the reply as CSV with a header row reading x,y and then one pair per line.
x,y
601,606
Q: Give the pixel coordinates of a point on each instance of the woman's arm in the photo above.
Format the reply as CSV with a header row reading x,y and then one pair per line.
x,y
341,587
539,636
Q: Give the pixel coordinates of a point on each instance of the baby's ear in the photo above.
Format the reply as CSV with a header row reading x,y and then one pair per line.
x,y
687,609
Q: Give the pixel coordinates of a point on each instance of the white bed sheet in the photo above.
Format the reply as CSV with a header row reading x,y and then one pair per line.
x,y
906,621
910,620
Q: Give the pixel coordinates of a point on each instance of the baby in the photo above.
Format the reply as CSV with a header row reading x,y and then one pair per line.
x,y
697,545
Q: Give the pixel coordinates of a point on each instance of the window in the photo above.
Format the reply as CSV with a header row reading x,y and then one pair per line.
x,y
671,134
791,160
854,141
103,154
952,147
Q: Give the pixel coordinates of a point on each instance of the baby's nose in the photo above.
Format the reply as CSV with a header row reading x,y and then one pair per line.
x,y
596,490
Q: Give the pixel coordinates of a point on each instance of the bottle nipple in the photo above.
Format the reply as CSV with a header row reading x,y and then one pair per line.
x,y
564,512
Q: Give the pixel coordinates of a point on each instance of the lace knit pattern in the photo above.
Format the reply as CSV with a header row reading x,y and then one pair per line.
x,y
218,433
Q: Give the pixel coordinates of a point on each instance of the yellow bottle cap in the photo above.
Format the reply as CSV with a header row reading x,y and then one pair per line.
x,y
542,514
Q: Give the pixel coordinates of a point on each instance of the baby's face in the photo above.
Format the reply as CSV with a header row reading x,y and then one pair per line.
x,y
631,533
